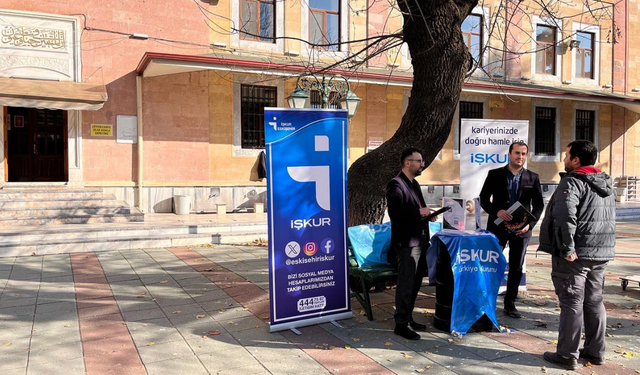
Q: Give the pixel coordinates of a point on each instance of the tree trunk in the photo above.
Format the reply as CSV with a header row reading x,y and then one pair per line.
x,y
440,60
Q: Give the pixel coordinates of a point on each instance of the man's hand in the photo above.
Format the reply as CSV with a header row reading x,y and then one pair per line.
x,y
523,230
424,211
571,257
504,215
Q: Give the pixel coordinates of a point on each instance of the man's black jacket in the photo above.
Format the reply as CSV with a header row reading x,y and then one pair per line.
x,y
404,199
495,197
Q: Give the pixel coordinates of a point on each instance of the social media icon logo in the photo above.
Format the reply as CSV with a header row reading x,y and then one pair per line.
x,y
327,245
310,248
292,249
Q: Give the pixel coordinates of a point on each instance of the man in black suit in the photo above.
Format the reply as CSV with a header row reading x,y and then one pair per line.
x,y
409,236
502,188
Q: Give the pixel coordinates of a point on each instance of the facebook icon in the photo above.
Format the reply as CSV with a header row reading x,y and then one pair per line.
x,y
327,245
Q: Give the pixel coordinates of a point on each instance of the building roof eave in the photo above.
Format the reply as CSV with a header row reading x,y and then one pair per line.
x,y
156,64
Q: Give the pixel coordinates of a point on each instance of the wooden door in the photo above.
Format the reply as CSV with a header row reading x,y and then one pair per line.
x,y
37,144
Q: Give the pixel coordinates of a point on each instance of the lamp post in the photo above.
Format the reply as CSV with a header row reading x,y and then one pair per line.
x,y
336,84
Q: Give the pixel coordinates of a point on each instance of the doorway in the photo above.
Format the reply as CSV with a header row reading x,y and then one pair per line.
x,y
36,145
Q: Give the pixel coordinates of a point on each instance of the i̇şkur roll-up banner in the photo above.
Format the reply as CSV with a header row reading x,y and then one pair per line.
x,y
306,157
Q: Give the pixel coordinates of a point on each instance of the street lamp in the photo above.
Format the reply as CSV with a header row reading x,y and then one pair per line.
x,y
336,84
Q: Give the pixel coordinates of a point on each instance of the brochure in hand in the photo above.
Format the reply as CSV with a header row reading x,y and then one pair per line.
x,y
435,213
521,217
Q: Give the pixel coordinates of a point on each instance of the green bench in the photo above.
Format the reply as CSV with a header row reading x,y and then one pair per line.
x,y
363,278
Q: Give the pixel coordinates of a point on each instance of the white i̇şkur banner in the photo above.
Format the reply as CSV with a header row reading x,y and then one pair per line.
x,y
484,145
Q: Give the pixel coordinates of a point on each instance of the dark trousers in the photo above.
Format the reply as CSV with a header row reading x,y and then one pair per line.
x,y
412,263
517,251
579,285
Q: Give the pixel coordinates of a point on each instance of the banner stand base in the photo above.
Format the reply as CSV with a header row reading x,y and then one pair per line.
x,y
308,322
295,331
336,324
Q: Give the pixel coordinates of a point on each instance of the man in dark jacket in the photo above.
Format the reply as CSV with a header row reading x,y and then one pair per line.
x,y
502,188
579,232
409,236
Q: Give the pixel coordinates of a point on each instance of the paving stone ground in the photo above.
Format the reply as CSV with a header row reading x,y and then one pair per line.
x,y
205,311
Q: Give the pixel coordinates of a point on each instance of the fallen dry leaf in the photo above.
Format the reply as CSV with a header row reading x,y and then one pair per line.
x,y
407,356
421,370
554,342
347,347
325,346
164,281
178,312
141,295
214,333
362,312
540,324
543,369
151,343
200,316
7,344
388,343
355,339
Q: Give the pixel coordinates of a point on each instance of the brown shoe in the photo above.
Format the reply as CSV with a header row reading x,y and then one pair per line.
x,y
565,363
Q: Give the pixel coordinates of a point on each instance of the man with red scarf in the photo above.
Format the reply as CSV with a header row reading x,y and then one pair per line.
x,y
579,232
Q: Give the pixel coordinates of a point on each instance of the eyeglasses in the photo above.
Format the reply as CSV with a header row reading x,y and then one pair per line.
x,y
418,160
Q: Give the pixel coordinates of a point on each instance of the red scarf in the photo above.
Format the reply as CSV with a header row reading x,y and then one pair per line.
x,y
589,169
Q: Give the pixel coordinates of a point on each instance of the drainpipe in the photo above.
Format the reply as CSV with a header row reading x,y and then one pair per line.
x,y
626,82
141,204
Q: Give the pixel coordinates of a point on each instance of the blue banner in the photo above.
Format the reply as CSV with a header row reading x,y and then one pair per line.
x,y
478,265
306,157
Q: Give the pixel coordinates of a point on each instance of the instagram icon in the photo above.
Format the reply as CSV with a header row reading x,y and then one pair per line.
x,y
310,248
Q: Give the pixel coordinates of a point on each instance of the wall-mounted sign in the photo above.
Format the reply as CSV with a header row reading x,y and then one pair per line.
x,y
102,130
18,122
126,129
39,46
374,143
32,37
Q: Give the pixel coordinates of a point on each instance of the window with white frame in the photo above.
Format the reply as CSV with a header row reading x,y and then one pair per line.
x,y
324,23
258,20
546,56
472,35
585,124
585,53
545,130
469,107
585,121
469,110
546,49
250,95
253,101
544,133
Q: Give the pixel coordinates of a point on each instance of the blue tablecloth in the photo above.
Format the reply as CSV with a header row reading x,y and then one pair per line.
x,y
478,265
